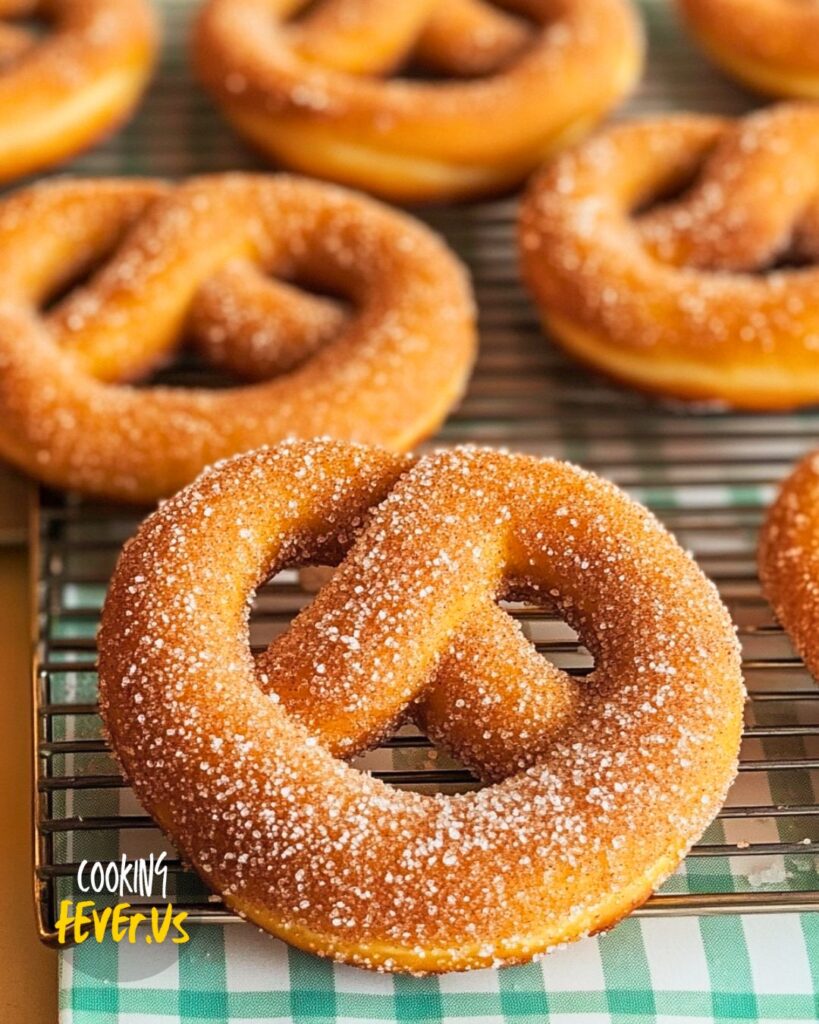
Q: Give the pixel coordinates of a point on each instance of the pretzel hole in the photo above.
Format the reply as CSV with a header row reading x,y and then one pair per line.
x,y
792,258
305,10
670,192
20,35
409,760
78,276
551,636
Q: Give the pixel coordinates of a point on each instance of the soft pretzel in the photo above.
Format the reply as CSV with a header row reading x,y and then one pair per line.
x,y
693,298
194,257
789,559
770,45
311,93
58,94
606,782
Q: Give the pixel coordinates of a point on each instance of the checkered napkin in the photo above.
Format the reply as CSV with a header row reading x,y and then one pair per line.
x,y
670,970
677,970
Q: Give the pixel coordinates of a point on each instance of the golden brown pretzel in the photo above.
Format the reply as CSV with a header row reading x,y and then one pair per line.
x,y
770,45
201,256
789,558
693,298
310,93
606,782
58,94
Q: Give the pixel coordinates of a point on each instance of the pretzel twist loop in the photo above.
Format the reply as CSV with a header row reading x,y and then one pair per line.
x,y
59,93
311,92
697,297
212,257
605,782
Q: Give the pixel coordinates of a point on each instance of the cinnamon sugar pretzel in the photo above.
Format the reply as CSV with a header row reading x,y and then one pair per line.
x,y
708,294
311,92
600,785
59,93
770,45
213,257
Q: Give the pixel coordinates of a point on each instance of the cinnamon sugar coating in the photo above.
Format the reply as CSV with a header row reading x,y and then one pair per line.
x,y
789,558
61,92
603,784
313,92
200,258
710,294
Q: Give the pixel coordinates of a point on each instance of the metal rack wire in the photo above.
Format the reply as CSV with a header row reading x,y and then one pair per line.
x,y
707,474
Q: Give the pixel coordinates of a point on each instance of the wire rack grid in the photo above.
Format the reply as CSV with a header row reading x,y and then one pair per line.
x,y
707,474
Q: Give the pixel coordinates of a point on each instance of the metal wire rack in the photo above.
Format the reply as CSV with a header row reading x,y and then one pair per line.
x,y
707,474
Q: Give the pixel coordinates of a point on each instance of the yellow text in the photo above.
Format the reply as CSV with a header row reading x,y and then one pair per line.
x,y
80,921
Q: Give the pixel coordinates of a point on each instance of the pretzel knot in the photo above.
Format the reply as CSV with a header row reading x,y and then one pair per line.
x,y
605,781
61,91
212,258
311,91
710,294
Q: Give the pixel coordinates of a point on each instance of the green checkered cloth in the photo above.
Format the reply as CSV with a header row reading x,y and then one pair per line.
x,y
673,970
669,970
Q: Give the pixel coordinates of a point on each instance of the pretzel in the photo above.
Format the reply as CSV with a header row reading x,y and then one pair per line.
x,y
693,298
606,781
312,93
200,257
770,45
60,93
789,559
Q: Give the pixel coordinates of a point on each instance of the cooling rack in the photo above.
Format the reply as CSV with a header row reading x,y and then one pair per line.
x,y
706,473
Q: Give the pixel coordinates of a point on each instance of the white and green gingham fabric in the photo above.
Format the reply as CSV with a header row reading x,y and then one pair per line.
x,y
731,970
672,970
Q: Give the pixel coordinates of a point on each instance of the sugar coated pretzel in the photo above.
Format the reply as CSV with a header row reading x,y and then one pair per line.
x,y
789,559
212,257
524,77
603,783
693,297
59,93
770,45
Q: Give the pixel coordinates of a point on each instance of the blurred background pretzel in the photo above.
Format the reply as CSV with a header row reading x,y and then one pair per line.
x,y
679,254
770,45
64,87
516,81
204,258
